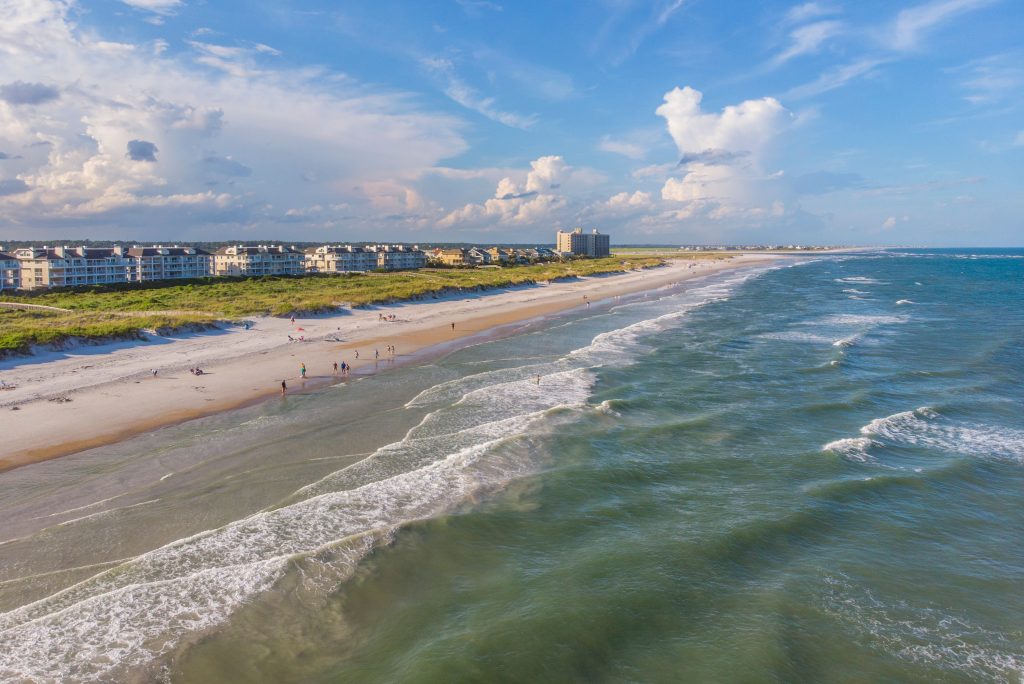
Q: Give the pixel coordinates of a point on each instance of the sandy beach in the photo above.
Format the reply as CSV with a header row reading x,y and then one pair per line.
x,y
88,396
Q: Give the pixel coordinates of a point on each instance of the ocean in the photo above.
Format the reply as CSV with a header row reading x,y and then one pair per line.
x,y
808,472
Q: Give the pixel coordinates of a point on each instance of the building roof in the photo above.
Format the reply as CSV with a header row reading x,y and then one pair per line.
x,y
50,253
252,250
165,251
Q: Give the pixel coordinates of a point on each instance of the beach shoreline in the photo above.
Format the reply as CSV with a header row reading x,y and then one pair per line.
x,y
91,396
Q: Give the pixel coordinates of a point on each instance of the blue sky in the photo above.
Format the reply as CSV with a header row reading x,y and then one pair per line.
x,y
658,121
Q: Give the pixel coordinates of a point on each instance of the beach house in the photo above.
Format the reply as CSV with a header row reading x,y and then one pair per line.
x,y
477,256
500,255
451,257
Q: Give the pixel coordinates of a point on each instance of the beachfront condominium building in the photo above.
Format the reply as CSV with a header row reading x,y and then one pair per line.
x,y
243,260
400,257
350,259
593,244
10,272
72,266
340,259
168,263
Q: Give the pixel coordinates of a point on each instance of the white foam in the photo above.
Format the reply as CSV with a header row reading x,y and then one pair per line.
x,y
862,319
796,336
852,448
900,302
924,427
861,279
847,341
925,635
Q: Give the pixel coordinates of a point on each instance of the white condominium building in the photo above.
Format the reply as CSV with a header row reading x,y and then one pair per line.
x,y
593,244
349,259
340,259
169,263
72,266
10,273
400,257
241,260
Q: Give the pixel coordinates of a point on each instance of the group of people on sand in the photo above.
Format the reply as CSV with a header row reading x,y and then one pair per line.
x,y
196,371
387,317
342,368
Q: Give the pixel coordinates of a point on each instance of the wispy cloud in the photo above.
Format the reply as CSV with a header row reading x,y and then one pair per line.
x,y
909,27
809,10
157,6
628,40
807,39
626,149
902,34
992,79
927,186
467,96
836,78
535,79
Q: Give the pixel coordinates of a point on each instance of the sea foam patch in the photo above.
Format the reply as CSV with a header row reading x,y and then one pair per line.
x,y
926,428
852,448
924,635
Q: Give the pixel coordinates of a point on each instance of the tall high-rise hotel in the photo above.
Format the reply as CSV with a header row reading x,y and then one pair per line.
x,y
593,244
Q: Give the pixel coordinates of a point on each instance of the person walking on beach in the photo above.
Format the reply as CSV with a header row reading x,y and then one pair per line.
x,y
453,326
357,353
376,353
284,387
302,371
335,367
538,379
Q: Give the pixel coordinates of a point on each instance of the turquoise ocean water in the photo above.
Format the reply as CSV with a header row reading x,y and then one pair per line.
x,y
807,473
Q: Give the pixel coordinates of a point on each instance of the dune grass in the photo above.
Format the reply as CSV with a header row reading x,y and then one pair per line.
x,y
113,311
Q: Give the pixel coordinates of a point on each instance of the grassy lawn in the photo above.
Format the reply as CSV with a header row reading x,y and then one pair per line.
x,y
123,311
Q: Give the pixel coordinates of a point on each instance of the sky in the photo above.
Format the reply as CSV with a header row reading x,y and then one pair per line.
x,y
493,121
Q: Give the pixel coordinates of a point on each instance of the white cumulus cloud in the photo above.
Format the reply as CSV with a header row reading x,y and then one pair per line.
x,y
132,126
745,127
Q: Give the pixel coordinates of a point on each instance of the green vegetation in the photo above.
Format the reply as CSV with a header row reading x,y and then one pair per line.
x,y
125,310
